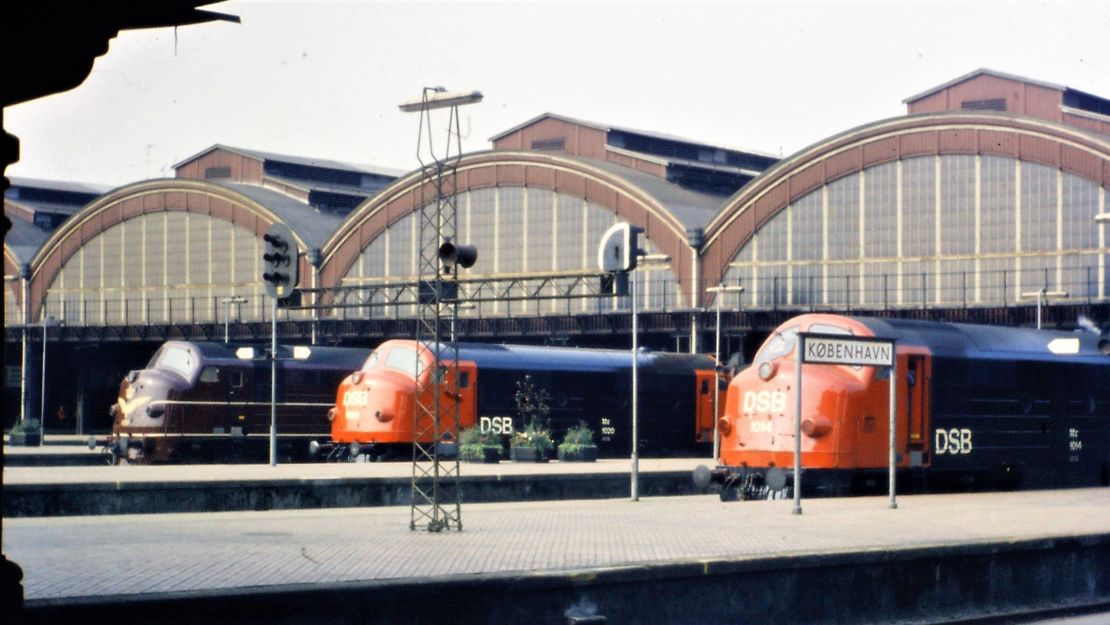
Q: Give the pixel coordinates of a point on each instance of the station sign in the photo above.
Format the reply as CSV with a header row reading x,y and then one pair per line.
x,y
841,350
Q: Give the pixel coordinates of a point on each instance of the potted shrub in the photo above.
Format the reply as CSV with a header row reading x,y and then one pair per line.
x,y
578,445
25,433
478,446
533,444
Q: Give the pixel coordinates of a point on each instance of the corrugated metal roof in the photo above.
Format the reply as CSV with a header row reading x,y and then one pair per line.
x,y
24,239
671,160
983,72
313,226
39,206
645,133
297,160
330,187
58,185
692,209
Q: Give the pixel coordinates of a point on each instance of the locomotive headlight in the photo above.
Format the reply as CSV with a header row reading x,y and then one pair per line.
x,y
331,414
767,371
356,377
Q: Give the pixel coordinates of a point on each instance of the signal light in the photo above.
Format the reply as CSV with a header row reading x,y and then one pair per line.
x,y
619,248
280,272
458,254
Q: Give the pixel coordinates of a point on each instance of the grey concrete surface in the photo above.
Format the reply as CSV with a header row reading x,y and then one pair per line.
x,y
116,555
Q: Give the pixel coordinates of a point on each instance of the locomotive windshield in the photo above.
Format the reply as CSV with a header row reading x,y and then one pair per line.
x,y
401,359
176,359
781,344
372,361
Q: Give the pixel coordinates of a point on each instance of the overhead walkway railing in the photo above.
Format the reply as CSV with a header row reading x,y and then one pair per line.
x,y
771,288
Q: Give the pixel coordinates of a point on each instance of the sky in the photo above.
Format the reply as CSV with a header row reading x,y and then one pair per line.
x,y
324,79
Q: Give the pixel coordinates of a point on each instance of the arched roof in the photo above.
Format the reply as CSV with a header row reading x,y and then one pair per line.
x,y
1056,145
664,210
252,208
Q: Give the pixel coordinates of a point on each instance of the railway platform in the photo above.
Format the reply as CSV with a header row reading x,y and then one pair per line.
x,y
934,559
92,490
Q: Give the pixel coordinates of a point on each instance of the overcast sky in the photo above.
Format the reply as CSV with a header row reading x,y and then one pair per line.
x,y
323,79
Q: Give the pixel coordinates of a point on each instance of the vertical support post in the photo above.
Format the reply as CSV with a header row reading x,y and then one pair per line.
x,y
801,344
25,317
893,423
273,381
635,485
716,381
42,404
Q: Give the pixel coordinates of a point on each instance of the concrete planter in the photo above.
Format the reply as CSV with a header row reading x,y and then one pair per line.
x,y
527,454
25,439
485,455
586,453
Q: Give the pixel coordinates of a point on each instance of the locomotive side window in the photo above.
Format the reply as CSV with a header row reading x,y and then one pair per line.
x,y
780,345
237,379
464,379
210,374
178,360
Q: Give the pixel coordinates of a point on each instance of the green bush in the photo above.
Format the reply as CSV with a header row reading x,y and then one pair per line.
x,y
473,444
29,426
536,436
580,435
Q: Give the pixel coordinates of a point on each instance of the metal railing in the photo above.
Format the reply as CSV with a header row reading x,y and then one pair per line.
x,y
569,294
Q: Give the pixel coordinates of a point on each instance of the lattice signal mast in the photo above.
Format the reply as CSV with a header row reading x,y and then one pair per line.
x,y
436,497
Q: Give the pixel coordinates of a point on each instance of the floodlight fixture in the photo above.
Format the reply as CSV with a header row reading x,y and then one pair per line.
x,y
439,98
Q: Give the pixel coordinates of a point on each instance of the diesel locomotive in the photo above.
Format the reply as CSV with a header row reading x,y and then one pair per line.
x,y
198,401
978,407
374,406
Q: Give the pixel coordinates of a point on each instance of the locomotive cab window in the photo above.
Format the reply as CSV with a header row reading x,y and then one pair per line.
x,y
372,361
237,379
401,359
464,379
177,360
210,374
779,345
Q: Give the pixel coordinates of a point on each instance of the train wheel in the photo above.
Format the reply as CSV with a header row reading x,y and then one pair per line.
x,y
729,493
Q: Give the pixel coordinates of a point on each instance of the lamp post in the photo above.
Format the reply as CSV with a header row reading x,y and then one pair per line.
x,y
720,289
1042,296
660,261
228,301
47,322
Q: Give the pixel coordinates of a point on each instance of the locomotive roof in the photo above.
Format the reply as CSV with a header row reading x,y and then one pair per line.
x,y
961,339
319,356
540,358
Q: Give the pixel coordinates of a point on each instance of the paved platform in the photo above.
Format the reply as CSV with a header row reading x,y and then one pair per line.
x,y
580,555
212,473
64,491
53,455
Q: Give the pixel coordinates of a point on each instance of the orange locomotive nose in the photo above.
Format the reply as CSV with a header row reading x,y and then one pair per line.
x,y
368,410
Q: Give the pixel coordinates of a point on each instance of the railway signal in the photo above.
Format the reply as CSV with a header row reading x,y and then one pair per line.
x,y
280,273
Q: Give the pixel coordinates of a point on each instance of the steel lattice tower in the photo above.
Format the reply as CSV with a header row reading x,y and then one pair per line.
x,y
436,496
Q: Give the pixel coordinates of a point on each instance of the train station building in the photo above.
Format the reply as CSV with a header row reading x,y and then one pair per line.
x,y
979,204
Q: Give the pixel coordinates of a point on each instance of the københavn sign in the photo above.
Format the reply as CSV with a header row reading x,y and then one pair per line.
x,y
840,350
